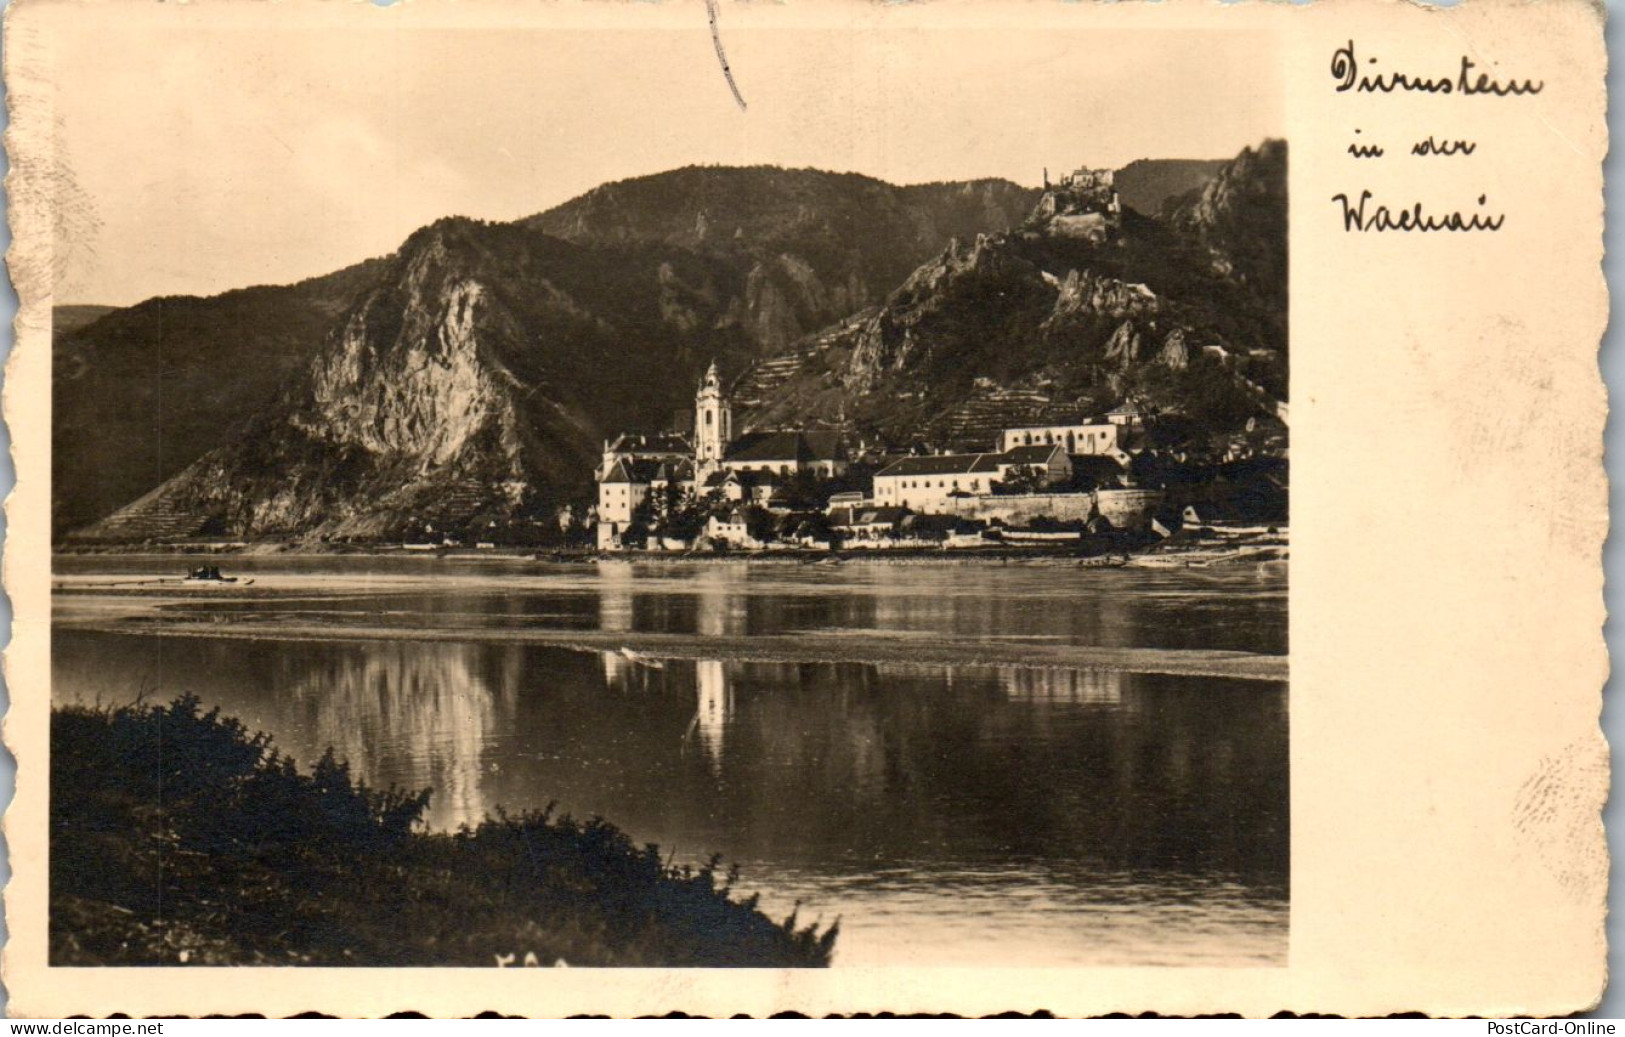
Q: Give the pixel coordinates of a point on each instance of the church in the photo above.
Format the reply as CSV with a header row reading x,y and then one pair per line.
x,y
712,462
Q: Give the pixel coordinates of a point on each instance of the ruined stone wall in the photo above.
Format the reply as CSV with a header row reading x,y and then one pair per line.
x,y
1086,226
1128,509
1019,508
1124,509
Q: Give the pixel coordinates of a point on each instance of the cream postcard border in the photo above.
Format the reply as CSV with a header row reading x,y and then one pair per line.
x,y
1448,511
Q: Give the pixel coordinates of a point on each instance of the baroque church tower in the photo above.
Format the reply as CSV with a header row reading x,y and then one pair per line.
x,y
713,425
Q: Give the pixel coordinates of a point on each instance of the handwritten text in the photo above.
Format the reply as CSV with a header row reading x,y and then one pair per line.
x,y
1361,216
1346,70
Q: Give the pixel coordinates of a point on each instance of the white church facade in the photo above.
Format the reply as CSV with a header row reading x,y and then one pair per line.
x,y
710,461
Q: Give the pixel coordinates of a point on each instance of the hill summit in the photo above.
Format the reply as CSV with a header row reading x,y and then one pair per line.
x,y
473,372
1085,305
467,381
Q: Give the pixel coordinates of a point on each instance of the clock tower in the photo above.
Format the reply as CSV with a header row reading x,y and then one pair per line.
x,y
713,426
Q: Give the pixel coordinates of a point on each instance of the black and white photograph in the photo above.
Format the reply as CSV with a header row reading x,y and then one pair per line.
x,y
765,498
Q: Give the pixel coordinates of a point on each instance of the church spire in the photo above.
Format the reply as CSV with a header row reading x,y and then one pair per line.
x,y
713,424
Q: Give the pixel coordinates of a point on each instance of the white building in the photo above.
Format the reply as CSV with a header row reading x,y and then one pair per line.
x,y
928,484
731,529
747,468
1125,413
624,487
1102,439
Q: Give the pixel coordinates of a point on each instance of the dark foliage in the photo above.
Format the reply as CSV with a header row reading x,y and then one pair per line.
x,y
178,836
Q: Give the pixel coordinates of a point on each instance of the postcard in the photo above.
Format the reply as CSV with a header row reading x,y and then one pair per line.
x,y
825,506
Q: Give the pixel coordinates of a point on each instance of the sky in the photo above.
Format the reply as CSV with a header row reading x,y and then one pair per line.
x,y
213,157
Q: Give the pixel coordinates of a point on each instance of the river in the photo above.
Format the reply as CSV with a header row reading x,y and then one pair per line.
x,y
968,764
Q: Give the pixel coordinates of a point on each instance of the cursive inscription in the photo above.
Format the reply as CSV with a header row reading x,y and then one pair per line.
x,y
1361,216
1359,150
1346,70
1444,147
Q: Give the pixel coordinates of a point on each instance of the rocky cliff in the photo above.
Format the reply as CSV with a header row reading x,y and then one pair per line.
x,y
410,417
140,392
472,374
468,378
1238,217
1186,313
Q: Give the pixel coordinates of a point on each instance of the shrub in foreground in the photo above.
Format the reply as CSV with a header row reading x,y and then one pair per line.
x,y
177,836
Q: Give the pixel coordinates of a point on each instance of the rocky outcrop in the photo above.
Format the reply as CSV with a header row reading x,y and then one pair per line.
x,y
1239,218
1175,353
1041,324
923,325
1124,344
409,419
590,317
1087,298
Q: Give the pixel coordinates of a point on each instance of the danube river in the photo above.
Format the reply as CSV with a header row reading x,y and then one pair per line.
x,y
968,764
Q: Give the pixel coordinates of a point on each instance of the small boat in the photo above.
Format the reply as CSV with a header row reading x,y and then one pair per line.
x,y
639,659
1106,561
209,574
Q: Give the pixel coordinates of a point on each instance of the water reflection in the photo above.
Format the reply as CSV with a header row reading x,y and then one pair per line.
x,y
716,704
417,715
627,673
615,597
722,610
948,813
1057,685
618,671
812,761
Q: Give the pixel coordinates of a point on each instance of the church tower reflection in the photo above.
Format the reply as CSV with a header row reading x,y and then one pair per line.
x,y
714,710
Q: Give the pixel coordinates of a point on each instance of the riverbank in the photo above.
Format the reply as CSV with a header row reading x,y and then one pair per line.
x,y
178,837
1198,549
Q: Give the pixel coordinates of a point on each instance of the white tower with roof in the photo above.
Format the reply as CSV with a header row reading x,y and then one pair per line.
x,y
713,426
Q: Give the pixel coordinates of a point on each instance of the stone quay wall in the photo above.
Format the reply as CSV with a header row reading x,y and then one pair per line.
x,y
1124,509
1128,509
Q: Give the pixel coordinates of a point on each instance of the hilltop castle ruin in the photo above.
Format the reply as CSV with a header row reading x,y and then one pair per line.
x,y
1084,204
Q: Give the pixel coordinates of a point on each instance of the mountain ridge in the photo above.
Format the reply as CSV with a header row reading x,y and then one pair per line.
x,y
470,374
617,314
1186,313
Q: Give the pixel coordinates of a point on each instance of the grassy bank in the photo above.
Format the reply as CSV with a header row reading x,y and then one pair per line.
x,y
177,836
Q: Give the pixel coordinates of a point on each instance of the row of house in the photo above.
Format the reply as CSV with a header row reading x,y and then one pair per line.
x,y
876,527
755,468
851,527
927,483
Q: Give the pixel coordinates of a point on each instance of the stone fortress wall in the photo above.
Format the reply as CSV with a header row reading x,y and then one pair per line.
x,y
1124,509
